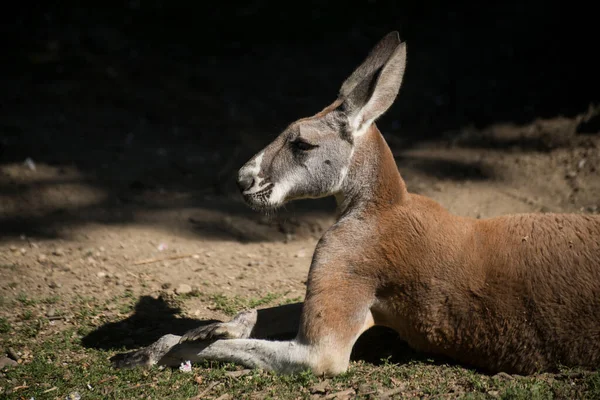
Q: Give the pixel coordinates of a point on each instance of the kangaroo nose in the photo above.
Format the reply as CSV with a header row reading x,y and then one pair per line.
x,y
245,182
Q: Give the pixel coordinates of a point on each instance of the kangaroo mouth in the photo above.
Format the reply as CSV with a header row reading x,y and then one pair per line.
x,y
260,199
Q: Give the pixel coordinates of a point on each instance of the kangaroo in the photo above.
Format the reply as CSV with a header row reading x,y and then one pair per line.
x,y
517,293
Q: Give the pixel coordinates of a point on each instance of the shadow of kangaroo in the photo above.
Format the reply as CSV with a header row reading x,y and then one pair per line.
x,y
516,293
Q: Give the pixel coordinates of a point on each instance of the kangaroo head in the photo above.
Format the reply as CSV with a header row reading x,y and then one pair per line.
x,y
312,156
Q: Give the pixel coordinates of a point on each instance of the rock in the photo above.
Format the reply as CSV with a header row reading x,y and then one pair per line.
x,y
238,374
101,274
165,285
7,362
23,250
571,174
365,389
300,254
58,252
321,387
42,258
73,396
503,376
389,394
54,285
51,312
183,288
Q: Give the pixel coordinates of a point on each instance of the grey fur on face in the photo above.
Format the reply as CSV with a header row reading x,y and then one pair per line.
x,y
308,160
312,157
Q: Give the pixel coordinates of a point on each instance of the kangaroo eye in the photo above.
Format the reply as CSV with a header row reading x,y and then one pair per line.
x,y
302,145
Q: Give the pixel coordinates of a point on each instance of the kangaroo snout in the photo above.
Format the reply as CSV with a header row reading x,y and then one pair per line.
x,y
245,182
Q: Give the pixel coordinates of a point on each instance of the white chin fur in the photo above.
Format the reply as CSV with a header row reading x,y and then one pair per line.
x,y
281,190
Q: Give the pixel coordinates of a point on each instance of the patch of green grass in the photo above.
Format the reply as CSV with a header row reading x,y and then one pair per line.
x,y
26,301
228,305
592,385
32,328
263,301
527,391
125,308
62,365
4,325
233,305
27,315
190,295
11,266
291,300
51,299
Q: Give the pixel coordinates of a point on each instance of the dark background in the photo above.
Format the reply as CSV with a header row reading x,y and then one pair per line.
x,y
179,94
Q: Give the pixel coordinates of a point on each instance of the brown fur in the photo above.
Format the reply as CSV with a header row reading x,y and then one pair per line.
x,y
518,293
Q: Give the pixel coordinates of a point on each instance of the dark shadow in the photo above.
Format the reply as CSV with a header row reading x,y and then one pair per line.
x,y
537,144
153,101
380,345
217,218
152,318
590,126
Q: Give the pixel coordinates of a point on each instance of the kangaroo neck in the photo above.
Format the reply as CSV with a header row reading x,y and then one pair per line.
x,y
373,183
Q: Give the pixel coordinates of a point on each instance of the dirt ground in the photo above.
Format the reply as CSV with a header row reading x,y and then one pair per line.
x,y
151,240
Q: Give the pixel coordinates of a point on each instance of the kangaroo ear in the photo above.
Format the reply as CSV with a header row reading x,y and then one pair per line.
x,y
374,85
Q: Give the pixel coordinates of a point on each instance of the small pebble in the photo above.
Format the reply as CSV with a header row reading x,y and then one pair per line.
x,y
58,252
183,288
101,274
29,163
7,362
73,396
54,285
42,258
